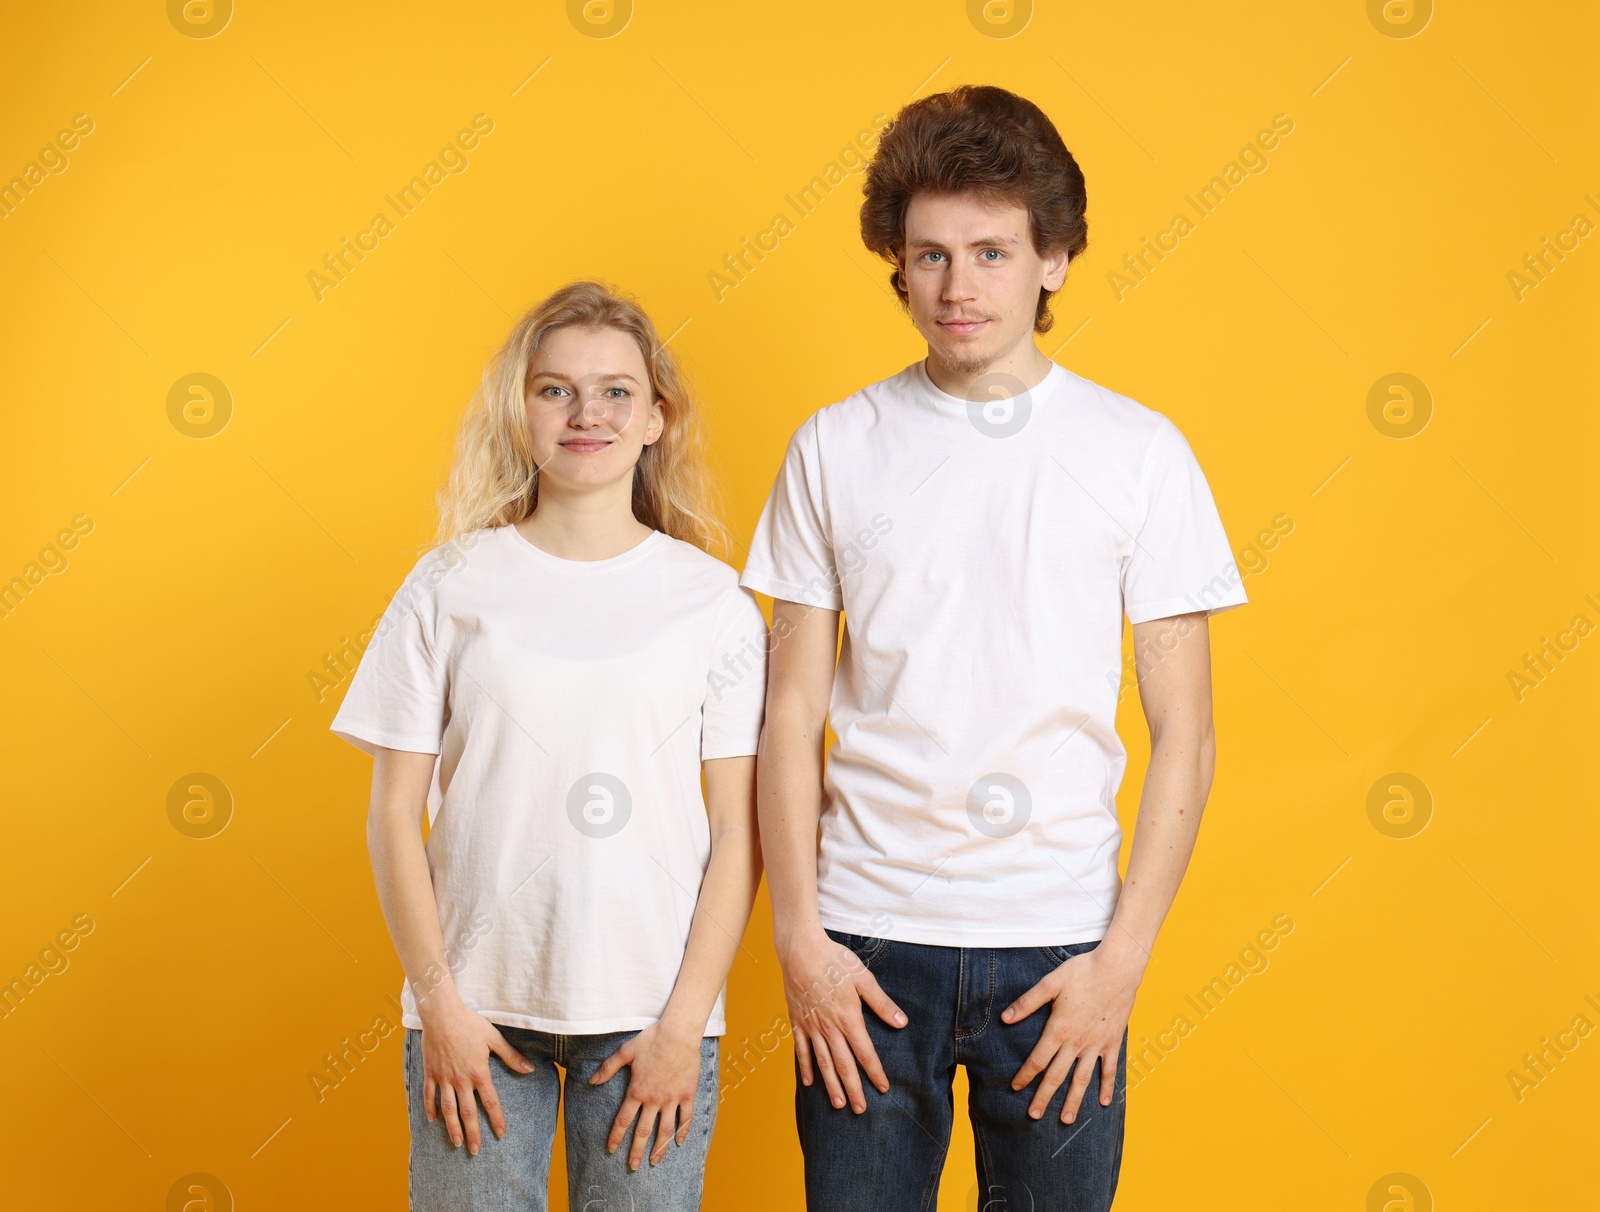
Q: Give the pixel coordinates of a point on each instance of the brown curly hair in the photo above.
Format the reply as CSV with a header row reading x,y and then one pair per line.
x,y
983,140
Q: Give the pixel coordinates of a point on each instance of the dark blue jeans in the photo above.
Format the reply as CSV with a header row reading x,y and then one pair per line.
x,y
889,1158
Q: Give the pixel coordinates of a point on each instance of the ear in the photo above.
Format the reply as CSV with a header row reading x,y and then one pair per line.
x,y
1055,270
900,270
657,424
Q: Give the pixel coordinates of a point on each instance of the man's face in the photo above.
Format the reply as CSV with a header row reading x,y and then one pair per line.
x,y
973,277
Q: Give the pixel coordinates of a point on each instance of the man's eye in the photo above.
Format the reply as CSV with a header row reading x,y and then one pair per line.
x,y
930,256
993,253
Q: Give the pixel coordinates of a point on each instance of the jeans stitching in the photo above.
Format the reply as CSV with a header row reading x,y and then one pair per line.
x,y
1122,1095
987,1172
988,1005
705,1101
930,1191
875,954
411,1153
961,990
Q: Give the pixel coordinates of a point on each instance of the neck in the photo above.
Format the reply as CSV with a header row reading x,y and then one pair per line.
x,y
592,525
1022,362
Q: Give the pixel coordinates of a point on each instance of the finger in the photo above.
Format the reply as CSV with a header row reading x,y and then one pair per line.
x,y
1051,1082
685,1118
664,1134
490,1098
447,1112
867,1055
830,1079
882,1004
1108,1074
619,1126
641,1136
622,1056
430,1096
1080,1082
514,1060
802,1054
1050,1041
844,1063
467,1108
1030,1001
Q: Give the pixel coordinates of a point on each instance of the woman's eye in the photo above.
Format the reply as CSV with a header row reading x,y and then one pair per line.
x,y
621,392
551,391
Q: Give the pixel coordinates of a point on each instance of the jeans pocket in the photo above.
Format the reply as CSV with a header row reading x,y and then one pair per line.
x,y
867,949
1061,953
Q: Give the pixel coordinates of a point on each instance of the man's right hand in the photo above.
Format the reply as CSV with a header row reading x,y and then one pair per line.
x,y
456,1042
826,984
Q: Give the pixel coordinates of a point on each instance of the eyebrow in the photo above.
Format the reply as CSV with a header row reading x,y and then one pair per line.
x,y
551,374
1004,241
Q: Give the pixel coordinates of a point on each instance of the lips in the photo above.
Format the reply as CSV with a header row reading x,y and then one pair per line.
x,y
962,324
585,445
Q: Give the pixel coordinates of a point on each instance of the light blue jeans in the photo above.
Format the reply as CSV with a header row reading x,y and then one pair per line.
x,y
512,1173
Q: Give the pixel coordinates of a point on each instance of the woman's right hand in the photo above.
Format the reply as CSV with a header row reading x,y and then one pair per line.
x,y
456,1042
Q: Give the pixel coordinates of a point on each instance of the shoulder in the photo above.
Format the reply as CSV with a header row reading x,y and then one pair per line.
x,y
453,559
714,584
1120,415
1136,436
860,410
688,561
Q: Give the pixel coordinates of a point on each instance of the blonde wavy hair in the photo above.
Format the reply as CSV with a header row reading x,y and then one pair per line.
x,y
494,480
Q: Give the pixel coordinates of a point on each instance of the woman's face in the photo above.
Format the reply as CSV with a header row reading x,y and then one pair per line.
x,y
590,408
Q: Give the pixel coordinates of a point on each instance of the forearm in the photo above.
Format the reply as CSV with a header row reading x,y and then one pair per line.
x,y
1170,806
405,889
720,916
789,798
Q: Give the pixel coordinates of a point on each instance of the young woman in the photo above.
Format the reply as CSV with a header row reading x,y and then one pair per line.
x,y
576,659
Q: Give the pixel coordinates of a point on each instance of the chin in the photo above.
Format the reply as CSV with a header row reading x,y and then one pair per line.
x,y
964,358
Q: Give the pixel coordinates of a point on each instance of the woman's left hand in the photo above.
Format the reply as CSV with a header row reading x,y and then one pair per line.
x,y
664,1073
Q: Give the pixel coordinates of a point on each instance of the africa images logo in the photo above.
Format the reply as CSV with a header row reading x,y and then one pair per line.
x,y
599,805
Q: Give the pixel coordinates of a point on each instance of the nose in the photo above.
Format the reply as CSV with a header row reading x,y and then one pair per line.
x,y
591,412
958,282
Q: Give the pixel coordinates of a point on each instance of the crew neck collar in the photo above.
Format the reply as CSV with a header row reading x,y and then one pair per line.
x,y
637,552
1045,387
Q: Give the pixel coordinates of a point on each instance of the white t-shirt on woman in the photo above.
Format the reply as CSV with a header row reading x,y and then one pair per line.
x,y
984,556
571,704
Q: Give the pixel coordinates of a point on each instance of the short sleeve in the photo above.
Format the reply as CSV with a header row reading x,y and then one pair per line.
x,y
1180,561
397,698
736,683
791,556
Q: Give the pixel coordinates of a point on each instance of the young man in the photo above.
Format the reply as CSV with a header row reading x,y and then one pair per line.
x,y
983,519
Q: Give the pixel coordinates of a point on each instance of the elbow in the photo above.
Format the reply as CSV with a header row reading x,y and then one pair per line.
x,y
1207,759
375,830
380,829
791,719
1189,746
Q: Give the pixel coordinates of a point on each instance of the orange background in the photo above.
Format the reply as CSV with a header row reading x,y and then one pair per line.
x,y
1367,1063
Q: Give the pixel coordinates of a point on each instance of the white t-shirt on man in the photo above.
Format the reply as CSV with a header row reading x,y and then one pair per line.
x,y
983,555
571,704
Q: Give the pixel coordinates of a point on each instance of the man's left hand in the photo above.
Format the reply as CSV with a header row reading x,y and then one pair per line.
x,y
1091,999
